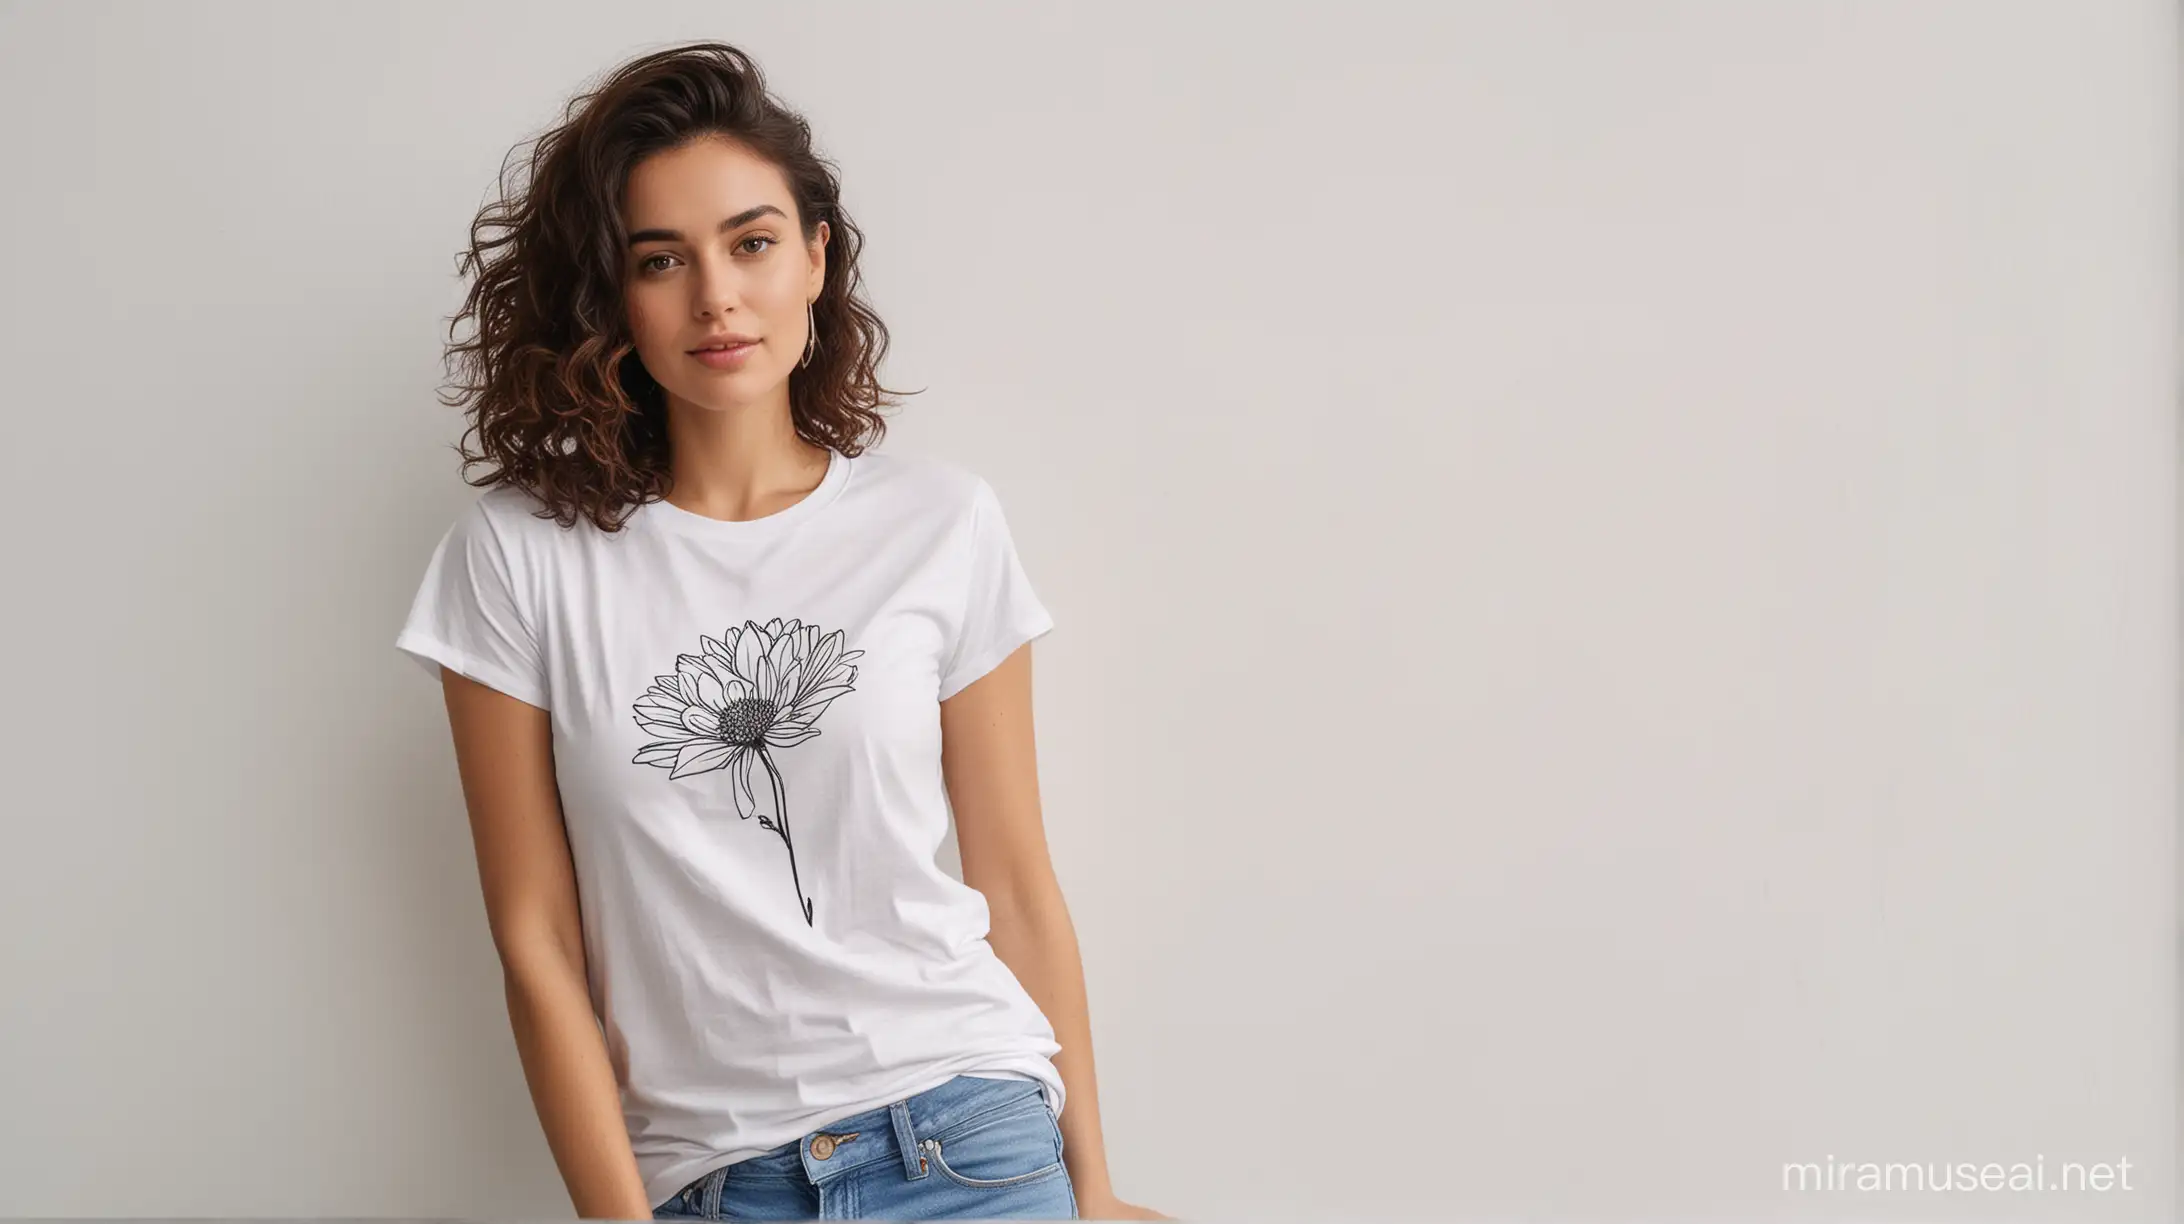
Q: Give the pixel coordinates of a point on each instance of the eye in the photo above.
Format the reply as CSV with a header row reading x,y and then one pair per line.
x,y
755,238
645,264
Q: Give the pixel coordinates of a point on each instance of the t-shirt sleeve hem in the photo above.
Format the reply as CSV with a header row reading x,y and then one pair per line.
x,y
985,661
432,654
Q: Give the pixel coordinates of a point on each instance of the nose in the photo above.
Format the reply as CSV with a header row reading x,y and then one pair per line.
x,y
715,289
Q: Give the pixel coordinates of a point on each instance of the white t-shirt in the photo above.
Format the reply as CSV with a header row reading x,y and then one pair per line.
x,y
746,736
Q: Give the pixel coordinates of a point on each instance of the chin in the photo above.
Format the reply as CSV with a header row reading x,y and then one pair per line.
x,y
727,391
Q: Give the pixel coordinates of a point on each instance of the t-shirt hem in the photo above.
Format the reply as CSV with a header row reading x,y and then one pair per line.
x,y
1051,1090
431,653
664,1184
991,658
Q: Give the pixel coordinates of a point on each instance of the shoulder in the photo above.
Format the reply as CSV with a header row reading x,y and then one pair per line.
x,y
512,521
923,485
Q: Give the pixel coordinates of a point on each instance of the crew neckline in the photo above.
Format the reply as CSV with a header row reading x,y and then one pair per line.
x,y
689,522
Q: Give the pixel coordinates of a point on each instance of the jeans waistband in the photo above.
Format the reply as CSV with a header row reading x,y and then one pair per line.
x,y
891,1132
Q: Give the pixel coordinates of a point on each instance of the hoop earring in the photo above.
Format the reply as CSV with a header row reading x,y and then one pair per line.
x,y
811,335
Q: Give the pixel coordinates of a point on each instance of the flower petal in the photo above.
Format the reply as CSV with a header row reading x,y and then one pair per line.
x,y
819,660
660,709
698,756
746,801
784,651
821,696
658,754
701,721
809,707
788,737
710,690
767,681
688,668
750,647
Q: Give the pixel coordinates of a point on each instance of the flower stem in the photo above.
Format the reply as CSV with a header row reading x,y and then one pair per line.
x,y
781,809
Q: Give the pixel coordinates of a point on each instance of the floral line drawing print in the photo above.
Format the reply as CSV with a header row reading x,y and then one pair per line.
x,y
754,690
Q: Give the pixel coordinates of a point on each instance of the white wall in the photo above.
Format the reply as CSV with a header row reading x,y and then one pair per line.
x,y
1616,563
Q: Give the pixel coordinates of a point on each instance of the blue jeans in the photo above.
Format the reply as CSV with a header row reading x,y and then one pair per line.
x,y
973,1148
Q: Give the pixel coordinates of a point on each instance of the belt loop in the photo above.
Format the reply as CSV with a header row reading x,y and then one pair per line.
x,y
709,1201
913,1160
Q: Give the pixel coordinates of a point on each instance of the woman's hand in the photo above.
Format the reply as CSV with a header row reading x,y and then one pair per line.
x,y
1108,1207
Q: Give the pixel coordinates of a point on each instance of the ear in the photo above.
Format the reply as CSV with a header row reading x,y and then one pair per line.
x,y
818,251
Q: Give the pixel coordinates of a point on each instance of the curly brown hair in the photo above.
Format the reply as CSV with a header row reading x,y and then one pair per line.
x,y
557,398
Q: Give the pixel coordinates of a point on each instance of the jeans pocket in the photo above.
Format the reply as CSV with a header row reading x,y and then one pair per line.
x,y
1008,1147
688,1203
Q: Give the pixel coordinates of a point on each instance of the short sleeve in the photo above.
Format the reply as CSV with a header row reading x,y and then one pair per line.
x,y
1001,612
468,617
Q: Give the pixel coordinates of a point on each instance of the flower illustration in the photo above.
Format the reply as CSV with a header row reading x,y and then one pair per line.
x,y
755,689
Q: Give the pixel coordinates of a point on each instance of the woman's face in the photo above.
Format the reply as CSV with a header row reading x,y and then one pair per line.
x,y
714,248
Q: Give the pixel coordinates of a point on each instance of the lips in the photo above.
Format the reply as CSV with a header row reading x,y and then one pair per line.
x,y
731,358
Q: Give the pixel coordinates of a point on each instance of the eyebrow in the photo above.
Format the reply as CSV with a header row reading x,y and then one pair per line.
x,y
745,217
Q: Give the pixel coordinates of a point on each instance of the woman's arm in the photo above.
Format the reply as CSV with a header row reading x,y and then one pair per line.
x,y
990,766
504,751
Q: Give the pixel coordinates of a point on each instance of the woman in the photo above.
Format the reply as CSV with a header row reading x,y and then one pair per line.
x,y
720,673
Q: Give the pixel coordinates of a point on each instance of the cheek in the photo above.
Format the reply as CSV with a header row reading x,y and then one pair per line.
x,y
649,325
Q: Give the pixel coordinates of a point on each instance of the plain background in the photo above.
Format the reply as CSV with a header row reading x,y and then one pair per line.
x,y
1616,566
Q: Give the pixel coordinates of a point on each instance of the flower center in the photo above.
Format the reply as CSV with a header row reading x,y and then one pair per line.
x,y
745,721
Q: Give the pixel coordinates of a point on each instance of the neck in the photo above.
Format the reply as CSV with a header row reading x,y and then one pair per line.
x,y
738,463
